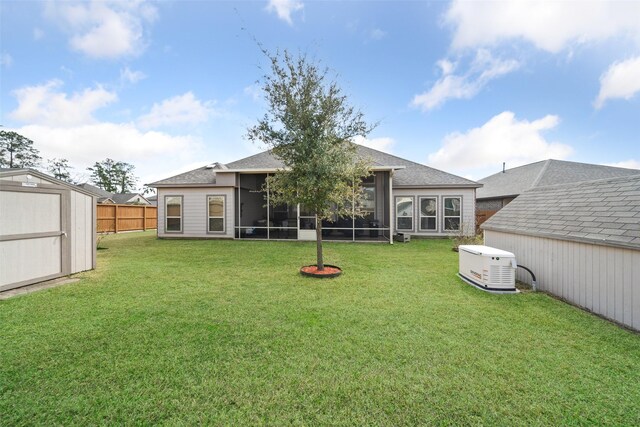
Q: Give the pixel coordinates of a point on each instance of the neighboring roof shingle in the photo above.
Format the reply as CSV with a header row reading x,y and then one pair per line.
x,y
95,190
121,198
604,212
547,172
413,174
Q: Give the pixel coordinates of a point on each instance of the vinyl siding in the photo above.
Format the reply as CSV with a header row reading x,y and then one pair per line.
x,y
82,232
194,212
602,279
468,208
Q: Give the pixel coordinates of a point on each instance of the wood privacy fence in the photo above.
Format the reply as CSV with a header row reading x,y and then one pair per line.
x,y
116,218
482,216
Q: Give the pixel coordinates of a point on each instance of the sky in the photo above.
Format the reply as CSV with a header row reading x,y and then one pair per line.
x,y
169,86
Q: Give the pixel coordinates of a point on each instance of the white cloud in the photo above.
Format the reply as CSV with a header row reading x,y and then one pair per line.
x,y
181,109
130,76
621,80
6,60
46,104
104,29
253,91
151,152
481,150
381,144
629,164
482,70
549,25
284,8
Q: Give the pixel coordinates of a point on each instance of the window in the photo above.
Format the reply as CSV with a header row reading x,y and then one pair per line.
x,y
368,206
452,213
404,213
215,209
173,213
428,209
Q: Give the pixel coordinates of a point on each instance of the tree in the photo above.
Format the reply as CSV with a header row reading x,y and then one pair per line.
x,y
310,125
16,151
112,176
60,169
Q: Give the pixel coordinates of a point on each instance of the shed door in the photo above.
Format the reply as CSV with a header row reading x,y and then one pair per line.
x,y
32,237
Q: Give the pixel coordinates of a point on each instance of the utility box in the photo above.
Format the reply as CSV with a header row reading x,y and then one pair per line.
x,y
488,268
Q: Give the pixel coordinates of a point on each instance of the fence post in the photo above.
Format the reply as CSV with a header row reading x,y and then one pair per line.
x,y
144,218
115,220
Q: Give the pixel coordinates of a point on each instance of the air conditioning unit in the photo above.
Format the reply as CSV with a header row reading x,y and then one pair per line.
x,y
487,268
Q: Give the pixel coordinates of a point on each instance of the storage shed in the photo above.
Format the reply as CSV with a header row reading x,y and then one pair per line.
x,y
47,228
581,240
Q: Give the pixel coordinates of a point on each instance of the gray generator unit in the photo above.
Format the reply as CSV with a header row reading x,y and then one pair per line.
x,y
487,268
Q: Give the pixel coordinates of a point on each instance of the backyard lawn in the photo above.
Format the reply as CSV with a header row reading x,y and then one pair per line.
x,y
227,332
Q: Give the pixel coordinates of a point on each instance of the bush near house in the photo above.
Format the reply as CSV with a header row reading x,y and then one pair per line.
x,y
228,332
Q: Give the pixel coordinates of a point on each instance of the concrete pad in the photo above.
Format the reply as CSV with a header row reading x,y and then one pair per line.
x,y
37,287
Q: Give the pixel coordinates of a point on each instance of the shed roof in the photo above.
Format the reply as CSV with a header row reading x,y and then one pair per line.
x,y
95,190
605,212
408,173
6,172
516,181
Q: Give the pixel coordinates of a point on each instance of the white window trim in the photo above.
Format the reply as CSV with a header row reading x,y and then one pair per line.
x,y
395,213
166,216
224,216
420,216
445,216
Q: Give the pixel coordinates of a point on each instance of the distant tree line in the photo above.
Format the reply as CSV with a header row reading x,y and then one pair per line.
x,y
18,151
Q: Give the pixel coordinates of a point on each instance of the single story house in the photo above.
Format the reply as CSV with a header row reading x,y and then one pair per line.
x,y
501,188
581,240
227,201
107,198
47,228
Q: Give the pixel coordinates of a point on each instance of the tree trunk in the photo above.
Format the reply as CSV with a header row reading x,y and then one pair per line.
x,y
319,260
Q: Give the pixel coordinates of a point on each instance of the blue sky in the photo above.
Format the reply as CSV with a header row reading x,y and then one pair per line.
x,y
461,86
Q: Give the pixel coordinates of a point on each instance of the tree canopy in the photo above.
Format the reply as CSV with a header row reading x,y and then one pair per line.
x,y
17,151
113,176
309,125
60,169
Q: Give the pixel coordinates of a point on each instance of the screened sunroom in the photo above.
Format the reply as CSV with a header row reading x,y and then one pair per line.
x,y
258,218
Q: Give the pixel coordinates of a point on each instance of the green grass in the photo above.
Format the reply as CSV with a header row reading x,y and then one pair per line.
x,y
227,332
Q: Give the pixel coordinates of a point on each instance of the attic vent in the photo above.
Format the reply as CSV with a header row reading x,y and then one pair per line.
x,y
216,165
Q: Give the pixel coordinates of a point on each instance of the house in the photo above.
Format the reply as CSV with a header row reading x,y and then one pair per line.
x,y
129,199
227,201
102,196
153,200
501,188
581,240
47,228
106,197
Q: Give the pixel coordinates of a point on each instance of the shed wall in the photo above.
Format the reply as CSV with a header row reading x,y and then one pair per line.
x,y
194,211
83,232
603,279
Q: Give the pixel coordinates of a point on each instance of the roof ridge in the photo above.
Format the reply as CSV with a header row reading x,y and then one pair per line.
x,y
590,182
535,182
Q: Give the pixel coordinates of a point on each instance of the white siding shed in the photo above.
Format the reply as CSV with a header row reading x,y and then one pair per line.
x,y
47,228
582,241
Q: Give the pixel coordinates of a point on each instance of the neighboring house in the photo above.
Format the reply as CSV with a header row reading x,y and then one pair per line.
x,y
153,200
129,199
105,197
501,188
47,228
227,201
581,240
102,196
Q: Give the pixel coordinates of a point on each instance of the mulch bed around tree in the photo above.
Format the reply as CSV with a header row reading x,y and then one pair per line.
x,y
329,271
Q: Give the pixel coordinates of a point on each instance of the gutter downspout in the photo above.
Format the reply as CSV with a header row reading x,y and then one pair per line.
x,y
391,213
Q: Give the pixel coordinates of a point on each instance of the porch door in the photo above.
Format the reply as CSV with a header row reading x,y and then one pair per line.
x,y
306,224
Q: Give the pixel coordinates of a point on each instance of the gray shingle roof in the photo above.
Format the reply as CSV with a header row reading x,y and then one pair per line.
x,y
604,211
95,190
547,172
413,174
204,175
121,198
